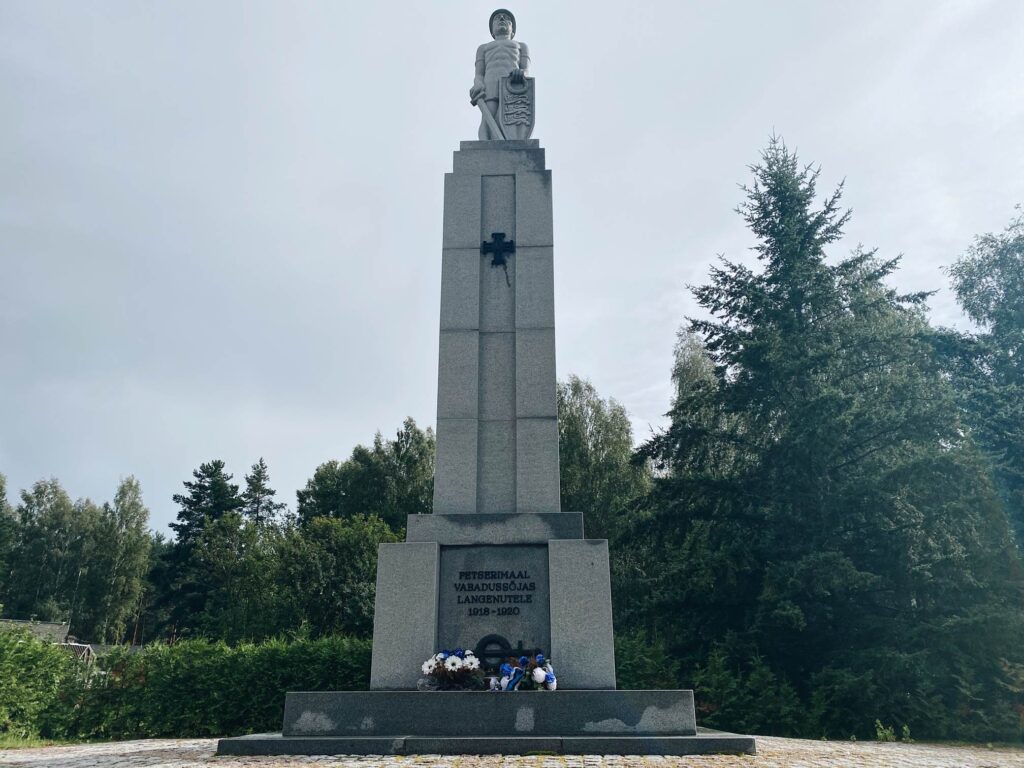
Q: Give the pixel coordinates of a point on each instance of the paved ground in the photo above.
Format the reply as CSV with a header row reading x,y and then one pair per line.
x,y
772,753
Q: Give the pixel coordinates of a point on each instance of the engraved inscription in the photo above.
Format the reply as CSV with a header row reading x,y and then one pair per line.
x,y
500,591
494,593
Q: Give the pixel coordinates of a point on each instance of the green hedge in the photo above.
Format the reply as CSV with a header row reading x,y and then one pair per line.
x,y
32,674
190,689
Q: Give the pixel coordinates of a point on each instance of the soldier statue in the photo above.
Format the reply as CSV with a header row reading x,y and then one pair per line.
x,y
502,57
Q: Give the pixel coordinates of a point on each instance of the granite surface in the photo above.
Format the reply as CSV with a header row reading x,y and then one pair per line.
x,y
494,529
558,713
460,289
496,467
497,349
458,392
537,483
535,226
535,287
535,373
455,478
490,591
498,146
407,597
582,641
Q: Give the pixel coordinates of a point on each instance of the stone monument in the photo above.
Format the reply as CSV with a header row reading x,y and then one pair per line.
x,y
498,567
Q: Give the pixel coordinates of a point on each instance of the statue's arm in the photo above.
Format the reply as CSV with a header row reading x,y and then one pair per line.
x,y
524,57
479,89
517,74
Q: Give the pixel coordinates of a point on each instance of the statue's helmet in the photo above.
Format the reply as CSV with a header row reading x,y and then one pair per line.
x,y
490,23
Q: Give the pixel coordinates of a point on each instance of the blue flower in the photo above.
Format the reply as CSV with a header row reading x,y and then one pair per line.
x,y
506,670
515,680
540,659
460,653
549,678
523,660
445,653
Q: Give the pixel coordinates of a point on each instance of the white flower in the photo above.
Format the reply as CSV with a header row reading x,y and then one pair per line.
x,y
553,685
469,653
504,683
471,663
429,666
539,674
453,663
439,658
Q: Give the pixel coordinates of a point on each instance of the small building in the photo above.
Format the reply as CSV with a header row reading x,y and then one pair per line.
x,y
51,631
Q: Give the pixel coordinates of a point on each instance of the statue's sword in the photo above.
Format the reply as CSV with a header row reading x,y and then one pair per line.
x,y
489,119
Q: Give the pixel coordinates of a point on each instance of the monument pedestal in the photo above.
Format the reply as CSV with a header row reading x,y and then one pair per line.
x,y
484,723
499,585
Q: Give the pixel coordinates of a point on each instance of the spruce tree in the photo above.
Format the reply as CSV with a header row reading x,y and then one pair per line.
x,y
823,515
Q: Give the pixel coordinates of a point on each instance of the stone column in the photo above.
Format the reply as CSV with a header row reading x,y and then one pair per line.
x,y
497,433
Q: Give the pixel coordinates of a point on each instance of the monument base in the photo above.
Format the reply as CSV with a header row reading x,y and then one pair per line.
x,y
703,743
479,722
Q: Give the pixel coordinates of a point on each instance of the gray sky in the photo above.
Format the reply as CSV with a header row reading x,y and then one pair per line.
x,y
220,223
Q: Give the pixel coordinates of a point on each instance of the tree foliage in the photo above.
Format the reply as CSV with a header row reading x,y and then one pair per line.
x,y
210,496
988,367
330,569
391,479
258,503
595,445
76,562
115,574
823,516
8,538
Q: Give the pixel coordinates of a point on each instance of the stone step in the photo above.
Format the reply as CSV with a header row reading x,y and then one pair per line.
x,y
703,743
450,714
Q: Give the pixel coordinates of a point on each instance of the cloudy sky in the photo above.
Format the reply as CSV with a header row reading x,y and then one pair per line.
x,y
220,223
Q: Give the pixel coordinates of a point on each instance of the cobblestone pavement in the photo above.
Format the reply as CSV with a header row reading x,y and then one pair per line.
x,y
772,753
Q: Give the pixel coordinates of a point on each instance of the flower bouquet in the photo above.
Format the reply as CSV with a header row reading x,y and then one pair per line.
x,y
527,673
456,670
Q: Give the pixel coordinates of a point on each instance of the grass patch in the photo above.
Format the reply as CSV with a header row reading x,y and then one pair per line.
x,y
7,741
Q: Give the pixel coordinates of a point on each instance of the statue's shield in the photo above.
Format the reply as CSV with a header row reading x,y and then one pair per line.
x,y
516,108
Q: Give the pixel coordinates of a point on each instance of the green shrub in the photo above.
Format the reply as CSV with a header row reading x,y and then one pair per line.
x,y
201,688
32,673
884,732
643,664
747,697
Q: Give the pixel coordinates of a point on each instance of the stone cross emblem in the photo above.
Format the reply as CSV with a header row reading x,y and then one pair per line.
x,y
499,249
